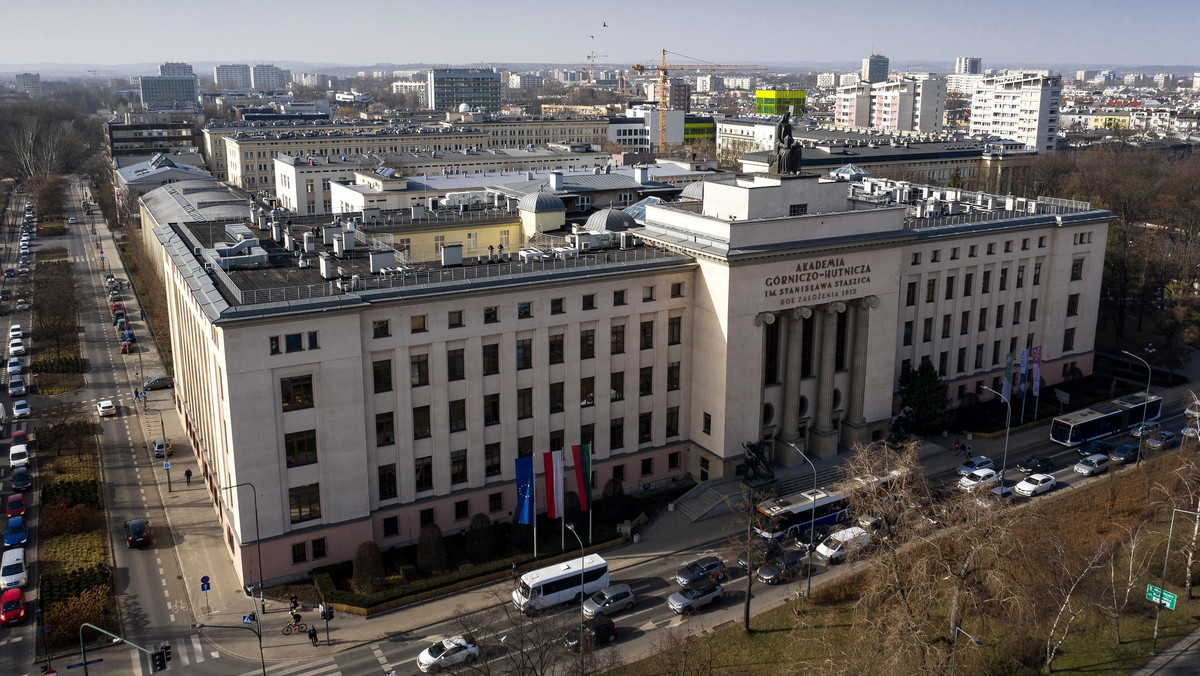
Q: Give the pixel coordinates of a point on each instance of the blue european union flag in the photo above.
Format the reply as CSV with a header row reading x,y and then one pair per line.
x,y
526,505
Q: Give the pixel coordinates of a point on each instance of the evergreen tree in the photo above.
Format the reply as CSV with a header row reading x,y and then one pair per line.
x,y
928,396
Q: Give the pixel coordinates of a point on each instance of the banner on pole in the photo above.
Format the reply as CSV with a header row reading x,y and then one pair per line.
x,y
1006,391
526,504
1035,356
583,474
554,483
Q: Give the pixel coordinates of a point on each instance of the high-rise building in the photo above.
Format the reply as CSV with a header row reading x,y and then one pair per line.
x,y
968,65
874,69
826,79
161,89
265,77
449,88
1019,108
678,93
778,102
1163,80
901,105
846,79
709,83
1084,75
232,77
175,69
30,84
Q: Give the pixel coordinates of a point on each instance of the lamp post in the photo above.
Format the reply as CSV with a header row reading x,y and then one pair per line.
x,y
257,540
954,652
582,596
257,632
1162,585
1145,405
1007,429
114,637
162,428
812,517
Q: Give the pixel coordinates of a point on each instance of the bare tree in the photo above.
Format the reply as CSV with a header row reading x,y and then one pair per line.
x,y
525,645
1067,576
1124,576
677,653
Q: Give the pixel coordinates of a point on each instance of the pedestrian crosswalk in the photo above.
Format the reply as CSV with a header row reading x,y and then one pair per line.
x,y
184,652
323,666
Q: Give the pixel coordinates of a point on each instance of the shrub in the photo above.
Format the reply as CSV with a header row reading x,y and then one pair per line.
x,y
59,587
70,552
481,540
431,550
57,362
74,492
63,519
63,619
844,589
369,576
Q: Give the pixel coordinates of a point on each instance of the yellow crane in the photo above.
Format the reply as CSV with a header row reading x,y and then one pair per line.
x,y
663,68
592,66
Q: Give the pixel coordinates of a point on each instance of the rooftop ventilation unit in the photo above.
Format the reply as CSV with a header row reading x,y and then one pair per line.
x,y
451,255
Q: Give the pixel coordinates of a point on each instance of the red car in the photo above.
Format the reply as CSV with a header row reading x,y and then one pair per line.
x,y
15,505
116,306
12,607
20,437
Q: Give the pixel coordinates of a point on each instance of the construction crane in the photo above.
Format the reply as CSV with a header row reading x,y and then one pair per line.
x,y
592,66
662,69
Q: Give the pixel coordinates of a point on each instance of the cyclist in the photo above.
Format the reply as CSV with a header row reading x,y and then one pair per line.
x,y
294,621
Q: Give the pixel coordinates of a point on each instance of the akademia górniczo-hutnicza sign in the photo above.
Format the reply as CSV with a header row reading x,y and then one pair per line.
x,y
818,280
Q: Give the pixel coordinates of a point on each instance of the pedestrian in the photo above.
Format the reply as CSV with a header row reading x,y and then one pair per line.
x,y
136,394
514,570
969,452
957,447
187,476
312,635
295,602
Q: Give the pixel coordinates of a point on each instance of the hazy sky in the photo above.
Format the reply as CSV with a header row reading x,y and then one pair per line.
x,y
548,31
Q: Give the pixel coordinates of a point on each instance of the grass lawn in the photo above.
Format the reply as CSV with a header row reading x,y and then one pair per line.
x,y
52,384
69,467
54,254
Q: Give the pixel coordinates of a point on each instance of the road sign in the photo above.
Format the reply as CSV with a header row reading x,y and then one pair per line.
x,y
1157,595
166,465
246,619
204,580
204,586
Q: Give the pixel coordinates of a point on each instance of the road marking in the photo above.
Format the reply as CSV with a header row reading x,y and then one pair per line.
x,y
317,666
135,656
167,593
383,661
197,648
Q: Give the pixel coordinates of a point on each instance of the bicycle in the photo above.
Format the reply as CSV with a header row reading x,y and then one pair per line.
x,y
294,626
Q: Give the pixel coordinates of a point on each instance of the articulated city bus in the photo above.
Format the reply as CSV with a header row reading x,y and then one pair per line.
x,y
1106,419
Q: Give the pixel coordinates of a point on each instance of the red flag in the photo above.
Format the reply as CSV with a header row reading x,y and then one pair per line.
x,y
554,483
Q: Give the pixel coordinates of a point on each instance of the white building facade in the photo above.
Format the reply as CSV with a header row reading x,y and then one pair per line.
x,y
899,105
233,77
1018,108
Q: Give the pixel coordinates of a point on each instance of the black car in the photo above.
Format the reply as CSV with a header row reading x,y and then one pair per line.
x,y
137,533
1094,447
1124,454
1036,465
707,567
596,631
763,551
20,479
788,566
9,272
807,540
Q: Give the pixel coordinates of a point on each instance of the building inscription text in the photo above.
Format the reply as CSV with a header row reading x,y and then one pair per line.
x,y
813,281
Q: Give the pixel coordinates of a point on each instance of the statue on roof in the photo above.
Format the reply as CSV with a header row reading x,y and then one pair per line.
x,y
785,158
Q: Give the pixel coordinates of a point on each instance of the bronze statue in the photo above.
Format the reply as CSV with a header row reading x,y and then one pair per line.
x,y
785,159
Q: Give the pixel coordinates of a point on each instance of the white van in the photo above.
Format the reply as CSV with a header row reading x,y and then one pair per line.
x,y
560,583
842,544
12,569
18,456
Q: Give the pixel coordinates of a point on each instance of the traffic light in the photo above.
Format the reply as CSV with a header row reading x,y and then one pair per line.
x,y
327,614
158,661
253,617
166,650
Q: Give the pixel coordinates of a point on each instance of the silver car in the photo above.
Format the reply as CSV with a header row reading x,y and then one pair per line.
x,y
1092,465
609,600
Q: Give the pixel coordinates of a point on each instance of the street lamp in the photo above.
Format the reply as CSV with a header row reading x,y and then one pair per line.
x,y
257,632
161,427
812,515
1007,429
954,652
582,595
1145,404
257,540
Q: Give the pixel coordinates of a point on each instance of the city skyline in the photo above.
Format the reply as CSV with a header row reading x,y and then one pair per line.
x,y
1101,32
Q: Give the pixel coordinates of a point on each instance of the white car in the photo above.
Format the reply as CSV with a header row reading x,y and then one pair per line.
x,y
105,407
22,304
980,477
978,462
14,366
447,653
21,409
1035,484
16,348
15,331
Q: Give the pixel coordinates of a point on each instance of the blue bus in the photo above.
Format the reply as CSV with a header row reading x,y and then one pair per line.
x,y
790,515
1106,419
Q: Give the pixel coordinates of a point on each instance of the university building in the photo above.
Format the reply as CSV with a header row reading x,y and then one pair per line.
x,y
365,394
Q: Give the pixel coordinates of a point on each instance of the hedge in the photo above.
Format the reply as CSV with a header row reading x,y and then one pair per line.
x,y
61,587
72,492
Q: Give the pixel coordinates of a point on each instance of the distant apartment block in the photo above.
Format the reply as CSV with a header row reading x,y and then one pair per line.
x,y
175,69
678,93
447,89
232,77
405,87
846,79
709,83
166,89
875,69
29,84
743,82
1020,108
266,77
517,81
902,105
149,133
968,65
827,79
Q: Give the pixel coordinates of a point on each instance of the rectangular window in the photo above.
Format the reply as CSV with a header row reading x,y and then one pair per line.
x,y
616,386
1033,309
1073,305
619,297
491,315
421,422
491,409
646,381
930,290
417,324
425,516
300,448
382,372
973,251
423,473
456,364
1076,269
458,466
945,326
524,447
927,334
454,319
1016,313
964,323
674,330
1008,246
954,254
524,310
387,481
556,306
968,282
587,434
982,319
707,429
647,335
491,460
616,433
589,301
672,421
1068,340
385,429
557,351
458,415
491,359
985,283
299,552
677,290
419,365
942,359
304,503
647,293
524,403
916,258
979,356
962,359
293,342
1003,279
556,397
949,287
524,354
617,339
495,502
1037,274
462,509
1020,276
587,344
995,352
296,393
908,333
381,328
618,473
999,316
587,391
673,376
673,460
556,440
797,209
936,256
645,428
318,548
910,296
273,343
391,526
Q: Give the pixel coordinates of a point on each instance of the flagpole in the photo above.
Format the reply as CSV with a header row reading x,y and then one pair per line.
x,y
533,487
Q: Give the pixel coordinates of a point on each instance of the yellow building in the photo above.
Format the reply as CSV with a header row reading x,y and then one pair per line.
x,y
778,102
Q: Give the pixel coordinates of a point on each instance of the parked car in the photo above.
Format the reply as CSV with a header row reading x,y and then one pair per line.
x,y
16,386
14,366
13,573
1145,430
998,496
786,566
15,506
1094,447
21,480
763,551
980,477
1092,465
611,599
15,331
137,533
978,462
15,534
162,448
1124,454
709,566
448,652
21,409
1035,484
125,347
158,382
18,456
1162,440
16,348
842,544
72,221
807,540
10,272
695,596
596,631
20,437
1037,464
12,607
105,408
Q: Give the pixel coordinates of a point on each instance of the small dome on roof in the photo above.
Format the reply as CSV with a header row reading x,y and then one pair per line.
x,y
541,202
464,107
612,220
693,191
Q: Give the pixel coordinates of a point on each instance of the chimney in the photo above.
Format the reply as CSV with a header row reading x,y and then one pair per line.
x,y
556,180
641,173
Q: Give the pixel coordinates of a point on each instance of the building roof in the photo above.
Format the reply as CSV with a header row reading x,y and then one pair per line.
x,y
693,191
199,201
612,220
541,202
158,169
